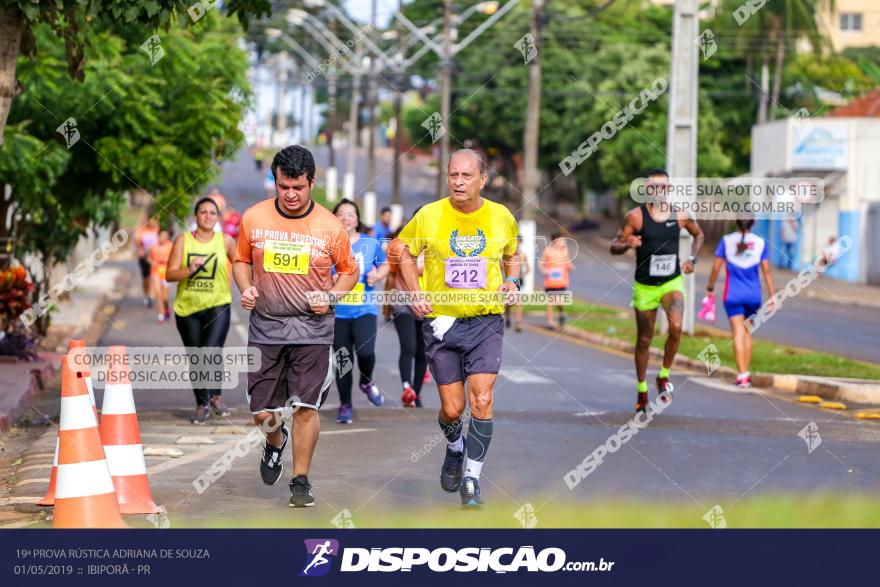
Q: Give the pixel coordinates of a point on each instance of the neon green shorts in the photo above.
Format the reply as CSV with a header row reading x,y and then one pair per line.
x,y
648,297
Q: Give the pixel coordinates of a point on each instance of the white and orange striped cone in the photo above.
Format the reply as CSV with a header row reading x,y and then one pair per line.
x,y
121,437
49,498
84,493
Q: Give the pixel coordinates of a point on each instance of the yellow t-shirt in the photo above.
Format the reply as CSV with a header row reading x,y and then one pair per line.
x,y
463,253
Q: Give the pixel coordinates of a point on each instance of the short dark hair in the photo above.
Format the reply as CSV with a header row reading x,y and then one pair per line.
x,y
385,209
357,212
658,171
202,201
293,161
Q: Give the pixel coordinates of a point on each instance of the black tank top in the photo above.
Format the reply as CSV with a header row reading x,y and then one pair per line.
x,y
657,258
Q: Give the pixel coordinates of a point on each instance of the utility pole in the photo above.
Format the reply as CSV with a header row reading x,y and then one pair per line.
x,y
281,123
348,181
528,228
331,122
396,206
681,134
370,195
533,111
445,90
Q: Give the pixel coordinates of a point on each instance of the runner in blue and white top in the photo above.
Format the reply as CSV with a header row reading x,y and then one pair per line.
x,y
744,255
356,314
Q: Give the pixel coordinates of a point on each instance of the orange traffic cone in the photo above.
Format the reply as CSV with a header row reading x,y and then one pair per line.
x,y
121,437
81,344
49,498
84,494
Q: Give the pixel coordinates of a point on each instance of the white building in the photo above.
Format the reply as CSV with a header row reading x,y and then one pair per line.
x,y
841,148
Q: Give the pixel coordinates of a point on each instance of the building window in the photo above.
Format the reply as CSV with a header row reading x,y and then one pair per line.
x,y
851,21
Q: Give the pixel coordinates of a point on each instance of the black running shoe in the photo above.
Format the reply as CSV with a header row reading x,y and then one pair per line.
x,y
301,492
450,474
642,402
271,465
664,389
470,493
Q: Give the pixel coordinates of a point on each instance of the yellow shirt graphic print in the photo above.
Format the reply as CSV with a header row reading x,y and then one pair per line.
x,y
286,257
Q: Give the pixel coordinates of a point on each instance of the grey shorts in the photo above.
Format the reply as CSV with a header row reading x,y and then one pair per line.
x,y
470,346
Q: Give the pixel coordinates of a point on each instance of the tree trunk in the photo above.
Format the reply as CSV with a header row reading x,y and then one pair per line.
x,y
777,75
11,27
762,105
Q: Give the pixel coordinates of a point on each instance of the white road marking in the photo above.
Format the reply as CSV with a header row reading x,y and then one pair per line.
x,y
589,413
524,377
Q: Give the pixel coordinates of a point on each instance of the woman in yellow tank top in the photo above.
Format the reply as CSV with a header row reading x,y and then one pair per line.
x,y
200,261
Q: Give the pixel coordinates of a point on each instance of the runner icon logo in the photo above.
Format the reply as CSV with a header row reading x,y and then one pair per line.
x,y
318,556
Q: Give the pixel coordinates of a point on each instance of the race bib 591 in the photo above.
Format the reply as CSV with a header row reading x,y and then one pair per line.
x,y
285,257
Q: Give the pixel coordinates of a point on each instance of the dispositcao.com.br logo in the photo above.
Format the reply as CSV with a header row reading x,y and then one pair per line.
x,y
440,560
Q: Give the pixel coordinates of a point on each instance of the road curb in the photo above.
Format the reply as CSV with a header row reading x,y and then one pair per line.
x,y
26,380
855,392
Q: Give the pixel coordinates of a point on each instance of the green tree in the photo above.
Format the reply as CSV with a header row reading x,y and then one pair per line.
x,y
71,21
160,128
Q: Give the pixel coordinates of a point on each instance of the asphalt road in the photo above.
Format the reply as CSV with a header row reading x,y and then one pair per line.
x,y
556,402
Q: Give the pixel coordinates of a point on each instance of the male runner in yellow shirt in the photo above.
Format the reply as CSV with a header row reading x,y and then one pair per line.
x,y
465,239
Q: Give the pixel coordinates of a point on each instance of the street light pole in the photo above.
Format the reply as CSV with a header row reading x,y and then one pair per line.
x,y
348,180
370,194
281,123
445,90
396,206
331,124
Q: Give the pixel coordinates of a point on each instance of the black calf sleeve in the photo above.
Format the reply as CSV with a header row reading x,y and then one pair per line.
x,y
479,437
451,430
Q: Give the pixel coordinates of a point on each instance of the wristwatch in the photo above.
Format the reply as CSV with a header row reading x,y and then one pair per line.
x,y
692,259
516,281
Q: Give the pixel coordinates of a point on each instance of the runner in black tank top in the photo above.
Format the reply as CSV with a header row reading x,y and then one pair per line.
x,y
657,259
658,281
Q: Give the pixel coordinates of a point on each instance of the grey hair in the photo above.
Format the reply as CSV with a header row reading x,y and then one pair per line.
x,y
476,155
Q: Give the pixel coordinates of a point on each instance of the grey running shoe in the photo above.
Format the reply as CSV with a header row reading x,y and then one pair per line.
x,y
450,473
470,493
201,415
218,406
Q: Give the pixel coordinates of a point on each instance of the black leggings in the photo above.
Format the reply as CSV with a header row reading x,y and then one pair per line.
x,y
359,333
204,328
412,349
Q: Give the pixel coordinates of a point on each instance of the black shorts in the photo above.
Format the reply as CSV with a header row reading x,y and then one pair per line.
x,y
290,375
470,346
144,264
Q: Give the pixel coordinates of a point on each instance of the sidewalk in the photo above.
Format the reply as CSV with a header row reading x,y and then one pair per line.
x,y
84,314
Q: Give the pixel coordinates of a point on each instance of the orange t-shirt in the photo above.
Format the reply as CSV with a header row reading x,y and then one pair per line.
x,y
555,262
292,256
159,255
